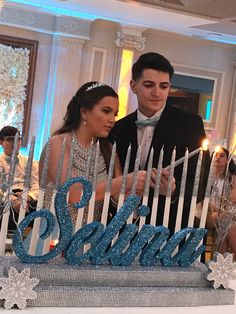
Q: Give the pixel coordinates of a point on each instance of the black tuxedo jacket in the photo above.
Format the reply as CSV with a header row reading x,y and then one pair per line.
x,y
175,128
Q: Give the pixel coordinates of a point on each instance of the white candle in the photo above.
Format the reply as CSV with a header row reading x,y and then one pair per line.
x,y
134,179
60,163
124,178
80,215
89,160
108,186
27,179
181,160
168,194
207,193
157,189
195,191
147,187
92,200
181,194
123,187
71,159
35,231
136,169
43,181
45,165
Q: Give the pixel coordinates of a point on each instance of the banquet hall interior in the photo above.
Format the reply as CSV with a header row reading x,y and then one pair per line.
x,y
73,41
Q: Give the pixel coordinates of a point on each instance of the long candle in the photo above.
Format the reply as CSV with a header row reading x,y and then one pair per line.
x,y
168,194
124,178
60,163
195,190
46,244
181,194
147,187
92,200
123,187
108,186
71,159
207,193
157,189
136,169
134,179
27,179
181,160
43,181
80,215
5,218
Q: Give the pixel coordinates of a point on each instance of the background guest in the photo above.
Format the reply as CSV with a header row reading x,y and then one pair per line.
x,y
7,137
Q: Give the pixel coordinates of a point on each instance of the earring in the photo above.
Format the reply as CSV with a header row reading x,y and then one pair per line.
x,y
84,122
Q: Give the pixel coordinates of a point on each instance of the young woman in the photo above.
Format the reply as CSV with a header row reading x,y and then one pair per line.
x,y
221,183
90,116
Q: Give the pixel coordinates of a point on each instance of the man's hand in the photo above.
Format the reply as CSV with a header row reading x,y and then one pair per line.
x,y
163,181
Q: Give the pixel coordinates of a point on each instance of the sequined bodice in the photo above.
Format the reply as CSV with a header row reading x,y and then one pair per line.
x,y
79,165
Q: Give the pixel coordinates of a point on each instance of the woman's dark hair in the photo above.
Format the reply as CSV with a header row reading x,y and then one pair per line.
x,y
87,96
232,166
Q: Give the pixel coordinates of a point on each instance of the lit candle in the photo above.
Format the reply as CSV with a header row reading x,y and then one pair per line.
x,y
157,189
168,194
181,194
108,186
207,193
147,187
193,153
195,191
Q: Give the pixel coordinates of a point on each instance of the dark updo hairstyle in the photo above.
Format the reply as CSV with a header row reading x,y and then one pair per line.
x,y
87,96
232,166
151,60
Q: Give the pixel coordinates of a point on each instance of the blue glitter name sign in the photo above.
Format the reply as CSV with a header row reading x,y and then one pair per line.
x,y
151,244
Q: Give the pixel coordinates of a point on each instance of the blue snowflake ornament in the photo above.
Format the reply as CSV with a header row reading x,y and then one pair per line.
x,y
223,269
17,288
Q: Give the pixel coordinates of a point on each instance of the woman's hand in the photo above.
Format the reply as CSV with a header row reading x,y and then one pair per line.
x,y
163,181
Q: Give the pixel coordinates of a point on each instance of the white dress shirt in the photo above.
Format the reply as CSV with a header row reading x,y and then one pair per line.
x,y
145,135
20,173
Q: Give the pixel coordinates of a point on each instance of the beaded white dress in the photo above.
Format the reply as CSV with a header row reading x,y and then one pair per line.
x,y
79,164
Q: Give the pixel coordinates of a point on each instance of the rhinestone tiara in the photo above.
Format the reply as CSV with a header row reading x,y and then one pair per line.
x,y
95,85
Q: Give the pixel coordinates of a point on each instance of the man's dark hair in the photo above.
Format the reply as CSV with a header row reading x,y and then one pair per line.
x,y
151,60
8,131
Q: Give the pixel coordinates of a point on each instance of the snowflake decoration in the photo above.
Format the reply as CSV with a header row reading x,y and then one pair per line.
x,y
17,288
223,270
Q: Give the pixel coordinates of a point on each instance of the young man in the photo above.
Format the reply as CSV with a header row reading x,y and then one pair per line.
x,y
155,124
7,137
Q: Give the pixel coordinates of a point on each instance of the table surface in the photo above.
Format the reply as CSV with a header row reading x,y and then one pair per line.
x,y
219,309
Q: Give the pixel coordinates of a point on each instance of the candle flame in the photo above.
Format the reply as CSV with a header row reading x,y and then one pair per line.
x,y
217,149
205,144
54,242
